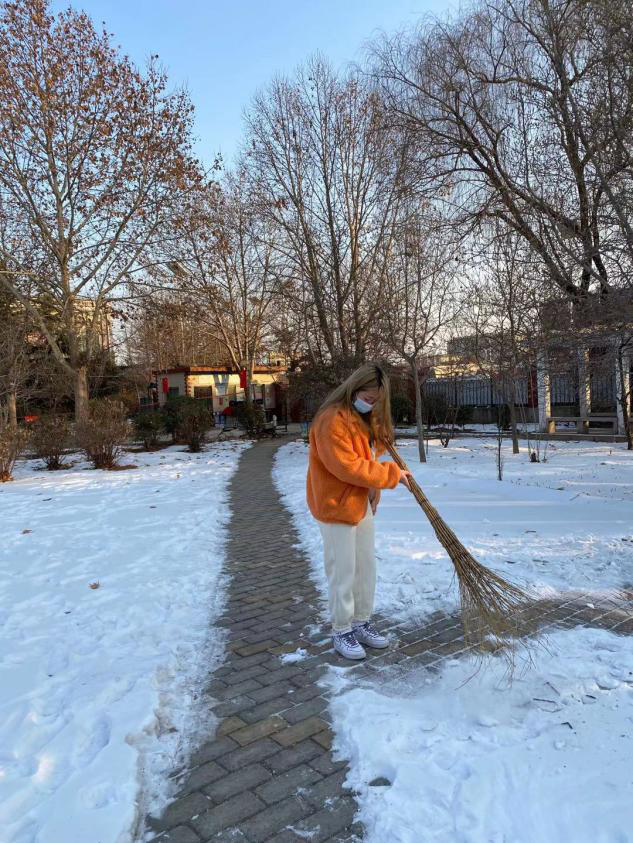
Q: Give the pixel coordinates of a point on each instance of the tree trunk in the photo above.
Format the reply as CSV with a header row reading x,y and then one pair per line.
x,y
624,398
81,393
12,409
513,424
499,454
248,398
418,411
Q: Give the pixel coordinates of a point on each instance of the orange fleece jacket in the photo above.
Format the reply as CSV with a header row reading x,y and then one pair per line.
x,y
341,468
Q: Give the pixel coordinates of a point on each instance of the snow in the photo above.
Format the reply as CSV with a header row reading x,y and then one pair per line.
x,y
297,656
473,759
98,685
469,757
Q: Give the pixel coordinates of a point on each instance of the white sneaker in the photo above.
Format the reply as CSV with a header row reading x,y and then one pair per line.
x,y
347,645
367,634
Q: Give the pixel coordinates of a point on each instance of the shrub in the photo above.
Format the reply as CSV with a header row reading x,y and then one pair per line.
x,y
401,409
148,425
50,438
13,441
103,430
464,415
188,420
435,410
503,417
194,421
171,414
251,417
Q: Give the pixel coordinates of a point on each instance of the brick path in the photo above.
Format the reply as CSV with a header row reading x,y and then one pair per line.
x,y
268,774
269,766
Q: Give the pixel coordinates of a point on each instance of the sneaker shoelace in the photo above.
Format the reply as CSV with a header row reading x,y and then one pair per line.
x,y
349,638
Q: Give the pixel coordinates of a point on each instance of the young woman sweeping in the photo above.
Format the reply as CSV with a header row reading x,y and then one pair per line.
x,y
343,491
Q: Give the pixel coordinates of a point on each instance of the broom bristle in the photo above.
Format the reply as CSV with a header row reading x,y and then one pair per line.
x,y
491,607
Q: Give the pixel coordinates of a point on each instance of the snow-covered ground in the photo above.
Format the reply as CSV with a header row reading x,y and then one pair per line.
x,y
471,759
478,427
109,582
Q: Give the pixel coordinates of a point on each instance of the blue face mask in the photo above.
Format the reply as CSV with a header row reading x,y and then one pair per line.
x,y
362,406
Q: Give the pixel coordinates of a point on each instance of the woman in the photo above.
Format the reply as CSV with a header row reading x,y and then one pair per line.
x,y
343,490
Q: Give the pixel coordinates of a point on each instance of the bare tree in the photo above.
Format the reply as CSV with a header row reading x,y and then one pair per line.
x,y
14,355
602,112
419,300
163,330
92,152
228,270
501,313
327,180
493,98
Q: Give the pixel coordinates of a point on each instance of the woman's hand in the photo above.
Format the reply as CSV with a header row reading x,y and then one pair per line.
x,y
374,499
404,478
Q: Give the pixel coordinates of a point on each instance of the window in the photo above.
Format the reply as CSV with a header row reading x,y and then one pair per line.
x,y
174,390
202,392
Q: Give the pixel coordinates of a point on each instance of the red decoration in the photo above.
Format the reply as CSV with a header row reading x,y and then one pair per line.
x,y
242,378
165,383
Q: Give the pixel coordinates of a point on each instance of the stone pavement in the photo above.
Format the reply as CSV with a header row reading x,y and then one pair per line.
x,y
268,769
268,774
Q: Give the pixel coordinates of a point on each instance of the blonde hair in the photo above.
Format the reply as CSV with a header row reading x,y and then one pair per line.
x,y
367,376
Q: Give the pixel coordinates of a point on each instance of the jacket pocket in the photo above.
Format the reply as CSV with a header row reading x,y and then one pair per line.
x,y
343,498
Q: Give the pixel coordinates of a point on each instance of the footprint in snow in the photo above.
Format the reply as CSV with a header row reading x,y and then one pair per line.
x,y
90,743
607,683
98,795
52,771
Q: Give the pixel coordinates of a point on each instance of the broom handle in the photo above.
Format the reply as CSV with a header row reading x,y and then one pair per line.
x,y
418,494
442,530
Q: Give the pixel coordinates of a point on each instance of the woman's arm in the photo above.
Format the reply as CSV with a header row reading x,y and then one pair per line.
x,y
335,449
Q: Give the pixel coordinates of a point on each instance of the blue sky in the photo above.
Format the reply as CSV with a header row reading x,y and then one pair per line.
x,y
224,51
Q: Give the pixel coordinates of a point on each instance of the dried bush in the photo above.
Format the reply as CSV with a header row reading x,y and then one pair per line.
x,y
50,439
251,417
188,420
13,441
402,411
171,415
148,425
194,420
102,432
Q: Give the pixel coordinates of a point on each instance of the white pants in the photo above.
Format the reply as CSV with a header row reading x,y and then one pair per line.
x,y
350,566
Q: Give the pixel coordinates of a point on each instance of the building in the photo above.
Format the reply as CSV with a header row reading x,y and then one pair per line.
x,y
572,373
83,316
221,387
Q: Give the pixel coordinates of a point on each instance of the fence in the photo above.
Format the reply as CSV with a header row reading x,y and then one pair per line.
x,y
479,391
473,391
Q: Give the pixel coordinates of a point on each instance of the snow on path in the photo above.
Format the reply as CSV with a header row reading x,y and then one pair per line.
x,y
469,759
97,685
528,527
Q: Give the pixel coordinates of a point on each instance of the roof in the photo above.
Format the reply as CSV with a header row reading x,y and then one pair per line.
x,y
219,370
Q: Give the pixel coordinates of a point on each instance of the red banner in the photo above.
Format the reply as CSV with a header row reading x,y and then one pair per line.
x,y
242,378
165,383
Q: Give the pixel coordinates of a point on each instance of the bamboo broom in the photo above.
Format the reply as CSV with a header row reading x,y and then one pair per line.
x,y
490,606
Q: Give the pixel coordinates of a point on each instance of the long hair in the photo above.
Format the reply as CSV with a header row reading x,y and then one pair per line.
x,y
367,376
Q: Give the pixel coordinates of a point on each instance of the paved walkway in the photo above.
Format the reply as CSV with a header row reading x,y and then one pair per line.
x,y
269,769
268,774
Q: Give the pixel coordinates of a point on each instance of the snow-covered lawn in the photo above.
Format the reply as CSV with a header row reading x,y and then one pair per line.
x,y
548,758
96,698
